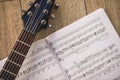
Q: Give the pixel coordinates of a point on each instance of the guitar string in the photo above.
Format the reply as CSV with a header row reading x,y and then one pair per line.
x,y
14,47
30,22
35,15
11,68
5,76
37,22
29,36
40,17
28,26
21,46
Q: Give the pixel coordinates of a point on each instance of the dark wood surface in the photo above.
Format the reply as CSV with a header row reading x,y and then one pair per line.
x,y
69,11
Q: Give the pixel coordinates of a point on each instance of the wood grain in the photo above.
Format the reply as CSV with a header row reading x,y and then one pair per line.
x,y
10,25
68,12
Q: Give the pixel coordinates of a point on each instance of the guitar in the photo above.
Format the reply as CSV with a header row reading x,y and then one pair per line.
x,y
35,19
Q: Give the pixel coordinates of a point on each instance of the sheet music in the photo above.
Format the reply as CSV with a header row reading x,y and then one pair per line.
x,y
88,49
40,64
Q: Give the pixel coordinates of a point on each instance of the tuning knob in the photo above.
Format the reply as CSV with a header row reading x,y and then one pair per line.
x,y
50,26
56,6
30,3
43,22
52,16
24,11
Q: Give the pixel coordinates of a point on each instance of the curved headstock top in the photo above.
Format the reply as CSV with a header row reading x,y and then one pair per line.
x,y
36,18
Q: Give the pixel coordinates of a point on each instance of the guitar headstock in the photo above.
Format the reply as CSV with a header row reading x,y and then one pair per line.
x,y
37,17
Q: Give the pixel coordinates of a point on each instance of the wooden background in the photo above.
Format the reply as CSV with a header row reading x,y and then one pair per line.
x,y
69,11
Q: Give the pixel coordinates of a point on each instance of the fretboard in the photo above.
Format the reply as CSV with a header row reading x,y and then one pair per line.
x,y
17,56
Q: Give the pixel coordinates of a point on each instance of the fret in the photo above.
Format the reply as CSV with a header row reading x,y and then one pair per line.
x,y
24,43
6,76
21,48
29,36
9,72
13,62
17,57
13,68
19,53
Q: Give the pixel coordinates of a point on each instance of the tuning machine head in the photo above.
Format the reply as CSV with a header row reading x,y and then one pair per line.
x,y
37,16
52,16
30,3
56,6
24,11
50,26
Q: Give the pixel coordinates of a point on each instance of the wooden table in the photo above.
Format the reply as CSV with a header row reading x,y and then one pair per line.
x,y
70,10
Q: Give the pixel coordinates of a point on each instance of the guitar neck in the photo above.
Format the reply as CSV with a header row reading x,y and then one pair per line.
x,y
17,56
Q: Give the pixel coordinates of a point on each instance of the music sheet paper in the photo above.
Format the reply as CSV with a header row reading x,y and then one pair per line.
x,y
39,64
88,49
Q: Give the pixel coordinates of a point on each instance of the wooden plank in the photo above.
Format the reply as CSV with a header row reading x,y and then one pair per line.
x,y
112,7
10,25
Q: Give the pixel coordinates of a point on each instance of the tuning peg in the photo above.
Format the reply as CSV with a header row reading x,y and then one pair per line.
x,y
30,3
24,11
52,16
43,22
50,26
56,6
